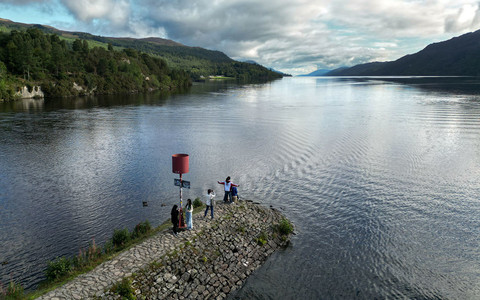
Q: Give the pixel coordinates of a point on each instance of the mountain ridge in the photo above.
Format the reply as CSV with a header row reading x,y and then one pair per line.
x,y
458,56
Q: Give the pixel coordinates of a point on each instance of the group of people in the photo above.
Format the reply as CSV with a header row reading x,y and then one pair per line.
x,y
231,196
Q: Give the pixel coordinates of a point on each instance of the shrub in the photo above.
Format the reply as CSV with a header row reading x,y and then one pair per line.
x,y
262,239
120,237
58,268
197,203
108,247
141,229
124,289
285,227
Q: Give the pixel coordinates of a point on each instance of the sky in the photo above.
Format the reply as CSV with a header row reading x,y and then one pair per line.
x,y
292,36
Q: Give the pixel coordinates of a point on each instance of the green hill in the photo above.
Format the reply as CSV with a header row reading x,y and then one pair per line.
x,y
459,56
197,62
33,58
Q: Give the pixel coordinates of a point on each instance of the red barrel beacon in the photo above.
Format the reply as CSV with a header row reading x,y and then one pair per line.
x,y
180,163
180,166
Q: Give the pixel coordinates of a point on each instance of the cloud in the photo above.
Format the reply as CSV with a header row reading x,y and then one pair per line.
x,y
302,34
116,12
259,30
465,18
289,35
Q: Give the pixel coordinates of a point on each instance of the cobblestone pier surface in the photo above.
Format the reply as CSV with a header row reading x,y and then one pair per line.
x,y
208,262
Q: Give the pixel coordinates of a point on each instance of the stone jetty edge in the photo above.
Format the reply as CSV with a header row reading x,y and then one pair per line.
x,y
209,262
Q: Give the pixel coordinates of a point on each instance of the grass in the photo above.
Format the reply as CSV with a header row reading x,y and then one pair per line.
x,y
124,289
262,238
12,291
285,227
91,44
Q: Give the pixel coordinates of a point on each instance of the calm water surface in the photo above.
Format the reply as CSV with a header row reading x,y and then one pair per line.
x,y
380,177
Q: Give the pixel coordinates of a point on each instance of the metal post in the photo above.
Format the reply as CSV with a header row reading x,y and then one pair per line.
x,y
181,204
181,221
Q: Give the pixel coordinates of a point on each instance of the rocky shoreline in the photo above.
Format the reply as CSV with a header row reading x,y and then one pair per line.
x,y
208,262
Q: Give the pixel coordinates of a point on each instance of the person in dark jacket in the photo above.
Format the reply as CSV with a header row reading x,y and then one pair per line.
x,y
174,218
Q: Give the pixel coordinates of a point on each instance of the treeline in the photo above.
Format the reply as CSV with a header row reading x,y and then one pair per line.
x,y
197,62
31,57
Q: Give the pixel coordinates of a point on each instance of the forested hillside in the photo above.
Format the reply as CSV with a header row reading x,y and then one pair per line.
x,y
196,62
31,57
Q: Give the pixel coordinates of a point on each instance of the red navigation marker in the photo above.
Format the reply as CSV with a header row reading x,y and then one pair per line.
x,y
180,166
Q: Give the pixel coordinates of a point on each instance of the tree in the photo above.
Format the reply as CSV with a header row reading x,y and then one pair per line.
x,y
77,45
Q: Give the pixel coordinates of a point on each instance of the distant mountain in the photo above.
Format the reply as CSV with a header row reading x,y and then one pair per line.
x,y
319,72
271,69
459,56
197,62
336,71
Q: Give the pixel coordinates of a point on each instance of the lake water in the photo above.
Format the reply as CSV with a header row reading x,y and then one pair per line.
x,y
381,178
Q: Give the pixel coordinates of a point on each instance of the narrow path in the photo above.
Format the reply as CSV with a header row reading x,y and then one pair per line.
x,y
130,261
221,254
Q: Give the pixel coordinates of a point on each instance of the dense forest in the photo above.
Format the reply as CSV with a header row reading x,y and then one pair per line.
x,y
30,58
75,63
197,62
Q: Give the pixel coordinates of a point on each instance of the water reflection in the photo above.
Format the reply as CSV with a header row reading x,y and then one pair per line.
x,y
450,85
380,178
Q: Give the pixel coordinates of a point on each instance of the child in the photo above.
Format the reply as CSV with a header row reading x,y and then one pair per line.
x,y
234,194
209,201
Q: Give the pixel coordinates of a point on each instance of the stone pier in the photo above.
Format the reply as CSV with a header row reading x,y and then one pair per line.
x,y
208,262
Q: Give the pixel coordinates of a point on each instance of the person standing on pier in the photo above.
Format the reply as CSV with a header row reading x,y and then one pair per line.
x,y
188,214
174,218
227,184
234,194
209,201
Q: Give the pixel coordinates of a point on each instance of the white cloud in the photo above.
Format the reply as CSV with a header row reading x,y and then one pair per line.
x,y
464,19
302,34
289,35
116,12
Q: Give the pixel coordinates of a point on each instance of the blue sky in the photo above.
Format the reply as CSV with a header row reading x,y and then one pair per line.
x,y
294,36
